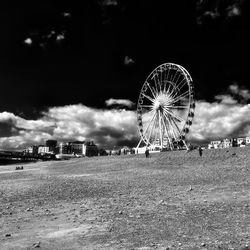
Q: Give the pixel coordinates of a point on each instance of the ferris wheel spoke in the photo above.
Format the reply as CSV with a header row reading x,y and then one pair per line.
x,y
167,134
149,98
160,78
181,84
174,76
170,126
178,129
165,126
172,91
151,130
159,82
175,124
164,88
171,129
164,75
169,113
160,128
178,118
153,91
179,75
155,82
152,119
168,90
183,95
168,73
149,113
172,121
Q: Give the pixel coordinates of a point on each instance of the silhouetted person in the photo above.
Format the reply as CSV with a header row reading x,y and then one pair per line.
x,y
200,151
147,153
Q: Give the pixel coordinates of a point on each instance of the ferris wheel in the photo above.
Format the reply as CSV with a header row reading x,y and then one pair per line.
x,y
165,107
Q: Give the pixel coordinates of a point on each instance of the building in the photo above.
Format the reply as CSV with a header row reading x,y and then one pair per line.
x,y
247,141
215,144
77,147
227,143
31,150
90,149
234,142
241,141
64,148
42,150
52,144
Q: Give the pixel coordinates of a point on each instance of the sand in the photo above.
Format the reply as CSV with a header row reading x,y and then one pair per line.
x,y
172,200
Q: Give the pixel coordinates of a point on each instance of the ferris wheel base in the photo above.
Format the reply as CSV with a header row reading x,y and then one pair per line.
x,y
141,150
154,148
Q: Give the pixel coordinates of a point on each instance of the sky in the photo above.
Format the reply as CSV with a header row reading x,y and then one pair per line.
x,y
74,72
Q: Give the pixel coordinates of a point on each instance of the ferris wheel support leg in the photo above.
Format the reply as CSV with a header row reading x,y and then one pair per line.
x,y
139,144
185,144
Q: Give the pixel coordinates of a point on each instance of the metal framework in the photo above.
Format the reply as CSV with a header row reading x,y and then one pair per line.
x,y
165,107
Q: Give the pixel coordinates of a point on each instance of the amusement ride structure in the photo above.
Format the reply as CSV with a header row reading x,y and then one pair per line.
x,y
165,107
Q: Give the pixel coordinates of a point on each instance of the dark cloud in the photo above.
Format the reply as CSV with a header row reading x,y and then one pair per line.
x,y
45,39
108,2
128,61
234,94
7,129
222,11
66,14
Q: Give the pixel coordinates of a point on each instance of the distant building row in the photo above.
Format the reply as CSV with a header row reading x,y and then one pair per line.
x,y
227,143
77,148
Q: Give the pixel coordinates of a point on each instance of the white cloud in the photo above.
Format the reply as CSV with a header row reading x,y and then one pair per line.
x,y
222,118
123,102
225,99
240,92
72,122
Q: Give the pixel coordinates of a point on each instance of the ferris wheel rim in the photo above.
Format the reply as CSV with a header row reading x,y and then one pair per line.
x,y
169,116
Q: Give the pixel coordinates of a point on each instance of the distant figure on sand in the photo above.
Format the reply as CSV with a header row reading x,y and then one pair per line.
x,y
200,151
147,153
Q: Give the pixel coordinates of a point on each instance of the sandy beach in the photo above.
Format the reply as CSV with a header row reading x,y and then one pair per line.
x,y
172,200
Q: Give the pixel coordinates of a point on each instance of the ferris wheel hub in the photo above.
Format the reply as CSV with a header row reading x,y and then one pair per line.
x,y
161,101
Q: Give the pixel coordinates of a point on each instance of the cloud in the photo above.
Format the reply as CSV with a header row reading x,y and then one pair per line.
x,y
208,11
66,14
220,120
122,102
103,126
128,61
240,92
233,10
225,99
28,41
228,116
109,2
73,122
60,37
45,39
234,94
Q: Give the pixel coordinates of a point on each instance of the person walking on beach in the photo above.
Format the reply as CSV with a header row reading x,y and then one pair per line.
x,y
200,151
